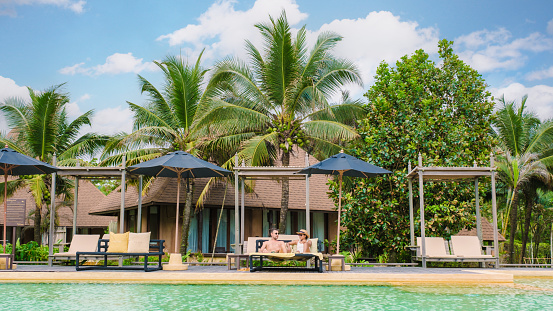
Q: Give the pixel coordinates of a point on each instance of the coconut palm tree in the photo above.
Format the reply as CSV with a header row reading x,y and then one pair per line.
x,y
280,99
164,123
525,154
40,129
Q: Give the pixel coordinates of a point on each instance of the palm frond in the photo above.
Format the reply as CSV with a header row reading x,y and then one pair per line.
x,y
259,150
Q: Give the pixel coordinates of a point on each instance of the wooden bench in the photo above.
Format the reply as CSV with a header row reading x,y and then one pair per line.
x,y
156,249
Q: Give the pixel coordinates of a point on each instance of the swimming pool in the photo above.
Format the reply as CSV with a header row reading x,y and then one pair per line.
x,y
531,294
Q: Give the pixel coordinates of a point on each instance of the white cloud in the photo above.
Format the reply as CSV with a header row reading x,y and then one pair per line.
x,y
73,110
540,97
7,7
550,27
380,36
9,89
115,64
222,29
540,74
492,50
112,120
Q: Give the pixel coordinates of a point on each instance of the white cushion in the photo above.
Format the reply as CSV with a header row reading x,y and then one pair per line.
x,y
139,242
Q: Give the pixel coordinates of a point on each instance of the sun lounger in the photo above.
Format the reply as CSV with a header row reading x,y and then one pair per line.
x,y
469,249
79,243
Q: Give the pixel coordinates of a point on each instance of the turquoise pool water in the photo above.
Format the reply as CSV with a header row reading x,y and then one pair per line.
x,y
526,295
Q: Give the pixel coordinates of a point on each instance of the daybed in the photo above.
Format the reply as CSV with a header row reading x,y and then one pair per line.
x,y
318,257
125,245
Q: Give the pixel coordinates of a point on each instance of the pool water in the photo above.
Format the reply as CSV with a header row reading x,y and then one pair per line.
x,y
532,294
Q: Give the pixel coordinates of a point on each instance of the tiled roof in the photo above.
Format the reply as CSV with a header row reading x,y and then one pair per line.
x,y
267,193
487,232
89,195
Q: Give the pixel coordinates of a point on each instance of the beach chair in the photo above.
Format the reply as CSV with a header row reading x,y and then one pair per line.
x,y
79,243
318,257
469,248
436,250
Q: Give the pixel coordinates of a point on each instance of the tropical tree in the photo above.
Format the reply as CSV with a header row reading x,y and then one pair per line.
x,y
279,100
525,157
40,129
164,123
442,111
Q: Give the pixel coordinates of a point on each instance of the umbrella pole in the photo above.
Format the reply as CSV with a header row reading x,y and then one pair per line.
x,y
5,208
177,220
339,215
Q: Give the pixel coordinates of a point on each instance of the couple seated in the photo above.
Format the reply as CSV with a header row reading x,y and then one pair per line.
x,y
303,244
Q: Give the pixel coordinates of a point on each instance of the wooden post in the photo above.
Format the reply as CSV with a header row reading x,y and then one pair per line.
x,y
494,212
122,209
236,209
411,213
242,211
421,205
75,205
139,222
307,207
52,216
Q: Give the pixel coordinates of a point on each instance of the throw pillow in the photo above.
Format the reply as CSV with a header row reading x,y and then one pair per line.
x,y
139,242
118,242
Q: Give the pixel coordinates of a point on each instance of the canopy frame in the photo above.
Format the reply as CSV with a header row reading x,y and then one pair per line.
x,y
451,174
243,172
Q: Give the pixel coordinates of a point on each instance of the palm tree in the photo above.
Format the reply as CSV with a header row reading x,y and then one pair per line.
x,y
164,123
279,100
41,128
525,155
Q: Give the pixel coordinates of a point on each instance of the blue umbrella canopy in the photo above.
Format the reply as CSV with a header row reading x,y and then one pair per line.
x,y
15,163
178,164
343,165
348,165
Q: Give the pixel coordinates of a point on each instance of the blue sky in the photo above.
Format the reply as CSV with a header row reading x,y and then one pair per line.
x,y
98,47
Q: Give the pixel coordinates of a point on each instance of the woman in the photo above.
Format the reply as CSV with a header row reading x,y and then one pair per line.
x,y
303,244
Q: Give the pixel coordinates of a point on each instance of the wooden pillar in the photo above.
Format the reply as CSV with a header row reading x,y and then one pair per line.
x,y
236,209
242,211
494,212
411,212
477,208
52,215
139,224
122,209
307,208
421,205
75,205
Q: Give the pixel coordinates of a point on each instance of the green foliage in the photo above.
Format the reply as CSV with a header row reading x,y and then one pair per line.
x,y
443,112
31,252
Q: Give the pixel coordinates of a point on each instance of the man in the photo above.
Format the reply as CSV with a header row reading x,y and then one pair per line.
x,y
273,245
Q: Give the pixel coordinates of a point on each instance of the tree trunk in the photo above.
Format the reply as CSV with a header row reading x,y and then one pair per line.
x,y
513,220
526,229
537,240
285,195
187,213
38,220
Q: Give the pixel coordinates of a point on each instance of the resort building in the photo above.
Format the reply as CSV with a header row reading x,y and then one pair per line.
x,y
89,196
262,209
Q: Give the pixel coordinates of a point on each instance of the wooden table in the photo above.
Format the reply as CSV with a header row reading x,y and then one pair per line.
x,y
237,259
336,257
9,258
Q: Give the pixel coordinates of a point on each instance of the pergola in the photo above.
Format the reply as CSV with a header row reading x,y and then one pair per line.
x,y
451,174
94,172
242,172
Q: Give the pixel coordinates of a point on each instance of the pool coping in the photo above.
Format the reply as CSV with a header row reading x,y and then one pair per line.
x,y
292,278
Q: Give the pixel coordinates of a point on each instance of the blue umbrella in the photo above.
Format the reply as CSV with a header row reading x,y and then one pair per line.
x,y
343,165
14,163
178,164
